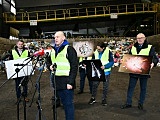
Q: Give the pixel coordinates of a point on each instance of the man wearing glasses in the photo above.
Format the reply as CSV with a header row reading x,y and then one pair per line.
x,y
141,47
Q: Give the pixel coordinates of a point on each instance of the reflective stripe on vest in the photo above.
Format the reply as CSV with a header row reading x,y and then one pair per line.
x,y
63,65
83,58
104,58
16,56
144,52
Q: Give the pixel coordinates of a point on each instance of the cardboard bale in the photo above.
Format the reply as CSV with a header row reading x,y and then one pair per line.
x,y
1,52
48,40
4,40
13,42
154,40
1,46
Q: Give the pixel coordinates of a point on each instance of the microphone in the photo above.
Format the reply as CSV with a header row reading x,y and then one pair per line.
x,y
46,54
54,66
37,53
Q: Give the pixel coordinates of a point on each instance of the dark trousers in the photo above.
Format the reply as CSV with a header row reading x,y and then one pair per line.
x,y
131,87
23,84
66,97
82,80
105,87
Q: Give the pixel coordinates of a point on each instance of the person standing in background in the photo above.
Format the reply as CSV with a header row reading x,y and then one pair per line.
x,y
141,47
19,52
83,74
104,54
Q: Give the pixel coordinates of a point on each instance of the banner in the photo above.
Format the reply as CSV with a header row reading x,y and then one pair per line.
x,y
94,71
84,48
135,64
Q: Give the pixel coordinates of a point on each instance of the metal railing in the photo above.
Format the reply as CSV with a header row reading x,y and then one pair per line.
x,y
79,13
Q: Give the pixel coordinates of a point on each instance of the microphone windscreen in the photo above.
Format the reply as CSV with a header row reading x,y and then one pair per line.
x,y
39,53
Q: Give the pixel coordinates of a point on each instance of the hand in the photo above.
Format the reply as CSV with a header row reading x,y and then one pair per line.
x,y
69,86
121,61
84,65
51,67
152,64
102,67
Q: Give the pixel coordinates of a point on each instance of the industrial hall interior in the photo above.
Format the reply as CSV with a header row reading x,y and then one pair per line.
x,y
79,59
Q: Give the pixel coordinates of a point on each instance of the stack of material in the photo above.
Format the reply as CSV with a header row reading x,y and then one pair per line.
x,y
155,41
5,44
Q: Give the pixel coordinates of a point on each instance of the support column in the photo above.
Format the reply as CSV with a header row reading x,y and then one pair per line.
x,y
4,28
1,17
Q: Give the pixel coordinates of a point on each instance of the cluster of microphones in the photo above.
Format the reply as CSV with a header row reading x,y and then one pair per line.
x,y
38,54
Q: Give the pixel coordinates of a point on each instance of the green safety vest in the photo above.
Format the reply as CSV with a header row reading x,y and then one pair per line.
x,y
104,58
63,65
83,58
144,52
16,56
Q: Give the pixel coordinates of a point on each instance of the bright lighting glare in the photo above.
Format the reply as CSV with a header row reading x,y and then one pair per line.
x,y
13,3
13,38
13,10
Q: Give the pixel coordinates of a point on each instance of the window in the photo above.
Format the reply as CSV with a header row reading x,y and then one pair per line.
x,y
13,7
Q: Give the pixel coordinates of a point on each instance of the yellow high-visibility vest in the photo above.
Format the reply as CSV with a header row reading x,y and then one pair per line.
x,y
16,56
83,58
104,58
63,65
144,52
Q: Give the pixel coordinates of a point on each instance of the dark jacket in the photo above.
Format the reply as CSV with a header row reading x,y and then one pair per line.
x,y
62,81
151,54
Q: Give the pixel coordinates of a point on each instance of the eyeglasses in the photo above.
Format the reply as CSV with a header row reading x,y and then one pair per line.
x,y
140,38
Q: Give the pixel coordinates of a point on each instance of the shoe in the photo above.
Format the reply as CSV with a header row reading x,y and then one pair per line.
x,y
92,101
80,92
104,102
26,99
125,106
140,106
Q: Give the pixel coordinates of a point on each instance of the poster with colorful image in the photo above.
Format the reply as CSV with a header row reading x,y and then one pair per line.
x,y
135,64
84,48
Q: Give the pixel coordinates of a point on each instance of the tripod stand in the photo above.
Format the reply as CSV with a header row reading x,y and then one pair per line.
x,y
24,94
54,102
19,73
39,114
24,82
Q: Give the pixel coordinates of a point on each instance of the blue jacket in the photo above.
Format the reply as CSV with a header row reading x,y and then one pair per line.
x,y
108,65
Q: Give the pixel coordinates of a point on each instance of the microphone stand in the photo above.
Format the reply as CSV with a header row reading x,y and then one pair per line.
x,y
18,69
24,83
55,93
16,73
39,97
